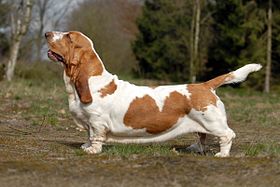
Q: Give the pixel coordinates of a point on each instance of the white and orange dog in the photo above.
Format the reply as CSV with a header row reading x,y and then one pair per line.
x,y
112,110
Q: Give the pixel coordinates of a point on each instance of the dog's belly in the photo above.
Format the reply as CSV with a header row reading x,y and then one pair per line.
x,y
183,126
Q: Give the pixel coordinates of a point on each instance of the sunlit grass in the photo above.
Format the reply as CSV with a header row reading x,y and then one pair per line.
x,y
130,149
41,98
262,149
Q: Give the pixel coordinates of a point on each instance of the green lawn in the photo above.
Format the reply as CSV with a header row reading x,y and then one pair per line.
x,y
38,141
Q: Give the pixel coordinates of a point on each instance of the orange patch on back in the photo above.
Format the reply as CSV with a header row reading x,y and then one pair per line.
x,y
201,96
144,113
109,89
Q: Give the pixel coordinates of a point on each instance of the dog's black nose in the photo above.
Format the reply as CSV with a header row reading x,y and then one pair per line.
x,y
48,34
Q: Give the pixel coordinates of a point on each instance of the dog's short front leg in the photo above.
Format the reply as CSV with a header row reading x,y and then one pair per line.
x,y
97,136
90,133
94,148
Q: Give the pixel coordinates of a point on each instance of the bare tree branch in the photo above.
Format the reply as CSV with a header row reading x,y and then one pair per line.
x,y
61,13
47,13
20,19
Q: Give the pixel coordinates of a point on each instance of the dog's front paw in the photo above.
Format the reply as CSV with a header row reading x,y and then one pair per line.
x,y
93,148
221,154
81,129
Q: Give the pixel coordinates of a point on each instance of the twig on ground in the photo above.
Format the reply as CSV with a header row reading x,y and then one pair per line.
x,y
42,124
18,130
28,132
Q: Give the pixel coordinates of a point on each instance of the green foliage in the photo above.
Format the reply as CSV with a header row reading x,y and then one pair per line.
x,y
255,41
39,72
162,43
233,33
276,46
4,10
4,44
228,42
241,37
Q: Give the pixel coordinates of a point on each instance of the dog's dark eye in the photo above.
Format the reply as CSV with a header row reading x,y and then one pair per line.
x,y
67,36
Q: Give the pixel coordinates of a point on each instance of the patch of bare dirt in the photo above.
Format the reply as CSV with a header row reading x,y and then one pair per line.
x,y
52,157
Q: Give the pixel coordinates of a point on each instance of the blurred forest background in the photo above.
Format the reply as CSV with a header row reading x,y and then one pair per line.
x,y
175,41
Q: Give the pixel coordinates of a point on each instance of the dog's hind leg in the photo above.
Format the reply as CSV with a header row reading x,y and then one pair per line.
x,y
202,141
198,147
214,122
220,129
225,142
226,135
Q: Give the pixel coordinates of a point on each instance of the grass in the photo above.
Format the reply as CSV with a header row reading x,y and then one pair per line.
x,y
41,147
262,149
37,95
132,149
247,106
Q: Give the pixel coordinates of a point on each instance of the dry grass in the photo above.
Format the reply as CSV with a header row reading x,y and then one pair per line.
x,y
40,146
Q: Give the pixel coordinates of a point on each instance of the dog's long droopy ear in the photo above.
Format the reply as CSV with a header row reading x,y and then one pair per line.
x,y
82,87
89,65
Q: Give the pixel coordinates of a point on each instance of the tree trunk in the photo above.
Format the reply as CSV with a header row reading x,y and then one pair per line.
x,y
20,19
12,60
268,61
191,71
195,29
39,42
196,39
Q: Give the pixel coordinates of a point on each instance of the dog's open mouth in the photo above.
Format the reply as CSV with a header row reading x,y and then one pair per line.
x,y
55,57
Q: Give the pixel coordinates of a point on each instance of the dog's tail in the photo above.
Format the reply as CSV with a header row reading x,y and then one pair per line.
x,y
236,76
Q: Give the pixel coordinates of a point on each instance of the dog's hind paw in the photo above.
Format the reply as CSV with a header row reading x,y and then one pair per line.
x,y
221,154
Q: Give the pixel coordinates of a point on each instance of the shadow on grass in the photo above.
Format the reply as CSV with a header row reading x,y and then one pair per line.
x,y
70,144
141,149
74,145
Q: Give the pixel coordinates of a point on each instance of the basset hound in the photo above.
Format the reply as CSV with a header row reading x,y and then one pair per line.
x,y
113,110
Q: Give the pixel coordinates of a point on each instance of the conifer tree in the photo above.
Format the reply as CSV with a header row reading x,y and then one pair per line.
x,y
162,46
228,37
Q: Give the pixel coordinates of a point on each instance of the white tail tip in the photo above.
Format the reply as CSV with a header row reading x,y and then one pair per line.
x,y
254,67
242,73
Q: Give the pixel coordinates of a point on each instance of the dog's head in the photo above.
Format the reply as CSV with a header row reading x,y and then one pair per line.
x,y
76,52
66,47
